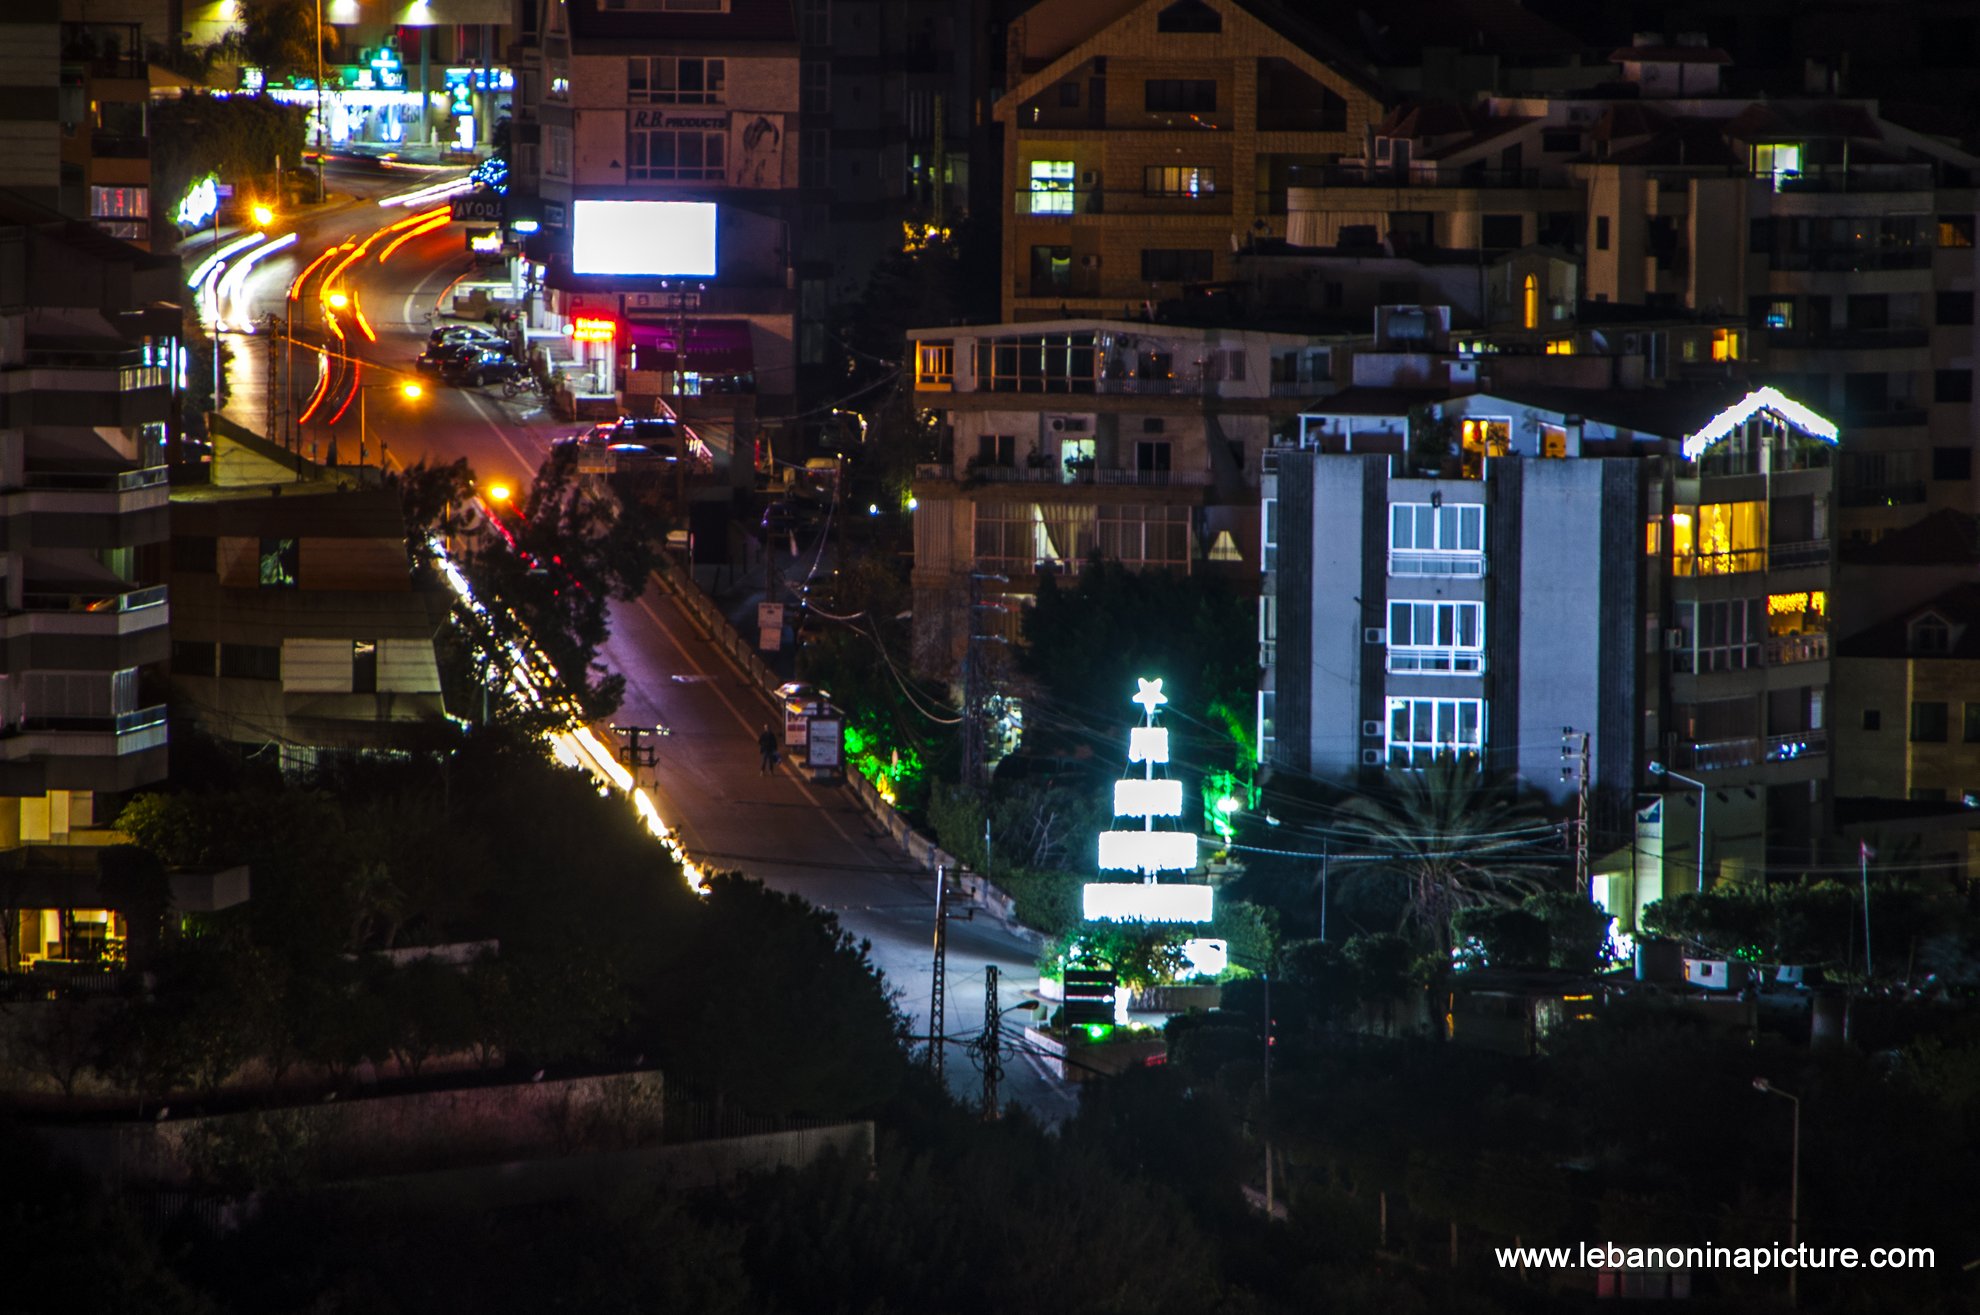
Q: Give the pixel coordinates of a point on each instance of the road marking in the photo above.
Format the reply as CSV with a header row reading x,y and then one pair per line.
x,y
743,721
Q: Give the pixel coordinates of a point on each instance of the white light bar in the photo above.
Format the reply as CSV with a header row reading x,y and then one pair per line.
x,y
1147,851
1134,901
1148,744
1770,399
1148,798
232,249
431,192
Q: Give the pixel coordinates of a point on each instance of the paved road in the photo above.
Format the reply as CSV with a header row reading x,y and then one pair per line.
x,y
793,835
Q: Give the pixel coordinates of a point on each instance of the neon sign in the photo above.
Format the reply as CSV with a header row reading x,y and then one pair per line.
x,y
585,329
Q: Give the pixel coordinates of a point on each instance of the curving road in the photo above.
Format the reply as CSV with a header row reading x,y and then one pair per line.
x,y
792,834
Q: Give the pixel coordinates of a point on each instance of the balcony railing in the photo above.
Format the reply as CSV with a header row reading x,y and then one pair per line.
x,y
34,600
1786,650
1352,173
1837,340
1436,661
1859,178
1469,565
117,146
1789,556
1016,474
1745,751
98,481
1153,478
1850,262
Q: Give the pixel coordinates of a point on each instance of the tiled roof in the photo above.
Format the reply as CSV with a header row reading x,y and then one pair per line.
x,y
1959,606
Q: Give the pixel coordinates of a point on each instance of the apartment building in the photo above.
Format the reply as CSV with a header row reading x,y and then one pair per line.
x,y
89,351
656,155
298,625
1483,570
73,117
1144,144
1061,439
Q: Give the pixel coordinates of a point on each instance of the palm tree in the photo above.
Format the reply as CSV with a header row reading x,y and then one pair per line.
x,y
1451,840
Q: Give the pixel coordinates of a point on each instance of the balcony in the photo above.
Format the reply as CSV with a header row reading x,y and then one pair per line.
x,y
117,146
985,473
1436,661
1786,650
1746,751
95,613
1351,173
1858,178
1850,340
1149,478
1848,261
113,735
1791,556
1895,416
1465,565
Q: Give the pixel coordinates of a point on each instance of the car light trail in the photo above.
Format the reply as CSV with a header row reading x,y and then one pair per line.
x,y
228,252
436,222
233,287
322,387
431,192
525,681
295,289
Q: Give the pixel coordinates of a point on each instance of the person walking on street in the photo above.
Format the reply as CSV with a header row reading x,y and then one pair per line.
x,y
766,744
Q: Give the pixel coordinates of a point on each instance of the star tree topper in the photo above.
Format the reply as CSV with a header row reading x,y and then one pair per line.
x,y
1150,696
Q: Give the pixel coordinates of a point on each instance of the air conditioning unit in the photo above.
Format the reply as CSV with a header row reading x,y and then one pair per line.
x,y
1632,343
1374,635
1371,730
1068,424
1089,262
1371,757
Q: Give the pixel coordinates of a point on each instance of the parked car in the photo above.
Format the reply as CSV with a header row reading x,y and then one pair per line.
x,y
481,365
610,438
459,332
438,359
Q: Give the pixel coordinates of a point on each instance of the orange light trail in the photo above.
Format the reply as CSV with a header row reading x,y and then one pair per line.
x,y
432,224
295,289
357,383
362,323
322,387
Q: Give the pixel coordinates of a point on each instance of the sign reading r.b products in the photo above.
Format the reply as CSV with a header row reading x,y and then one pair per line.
x,y
478,206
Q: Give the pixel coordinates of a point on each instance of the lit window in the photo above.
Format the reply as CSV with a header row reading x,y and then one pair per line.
x,y
1427,539
1437,638
1560,347
1179,180
1719,538
1051,187
1780,314
1553,441
1781,162
1481,438
666,80
1530,302
280,561
1653,537
1422,729
934,364
1725,344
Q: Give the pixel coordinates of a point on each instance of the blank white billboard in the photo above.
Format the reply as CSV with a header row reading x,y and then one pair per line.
x,y
1134,901
643,237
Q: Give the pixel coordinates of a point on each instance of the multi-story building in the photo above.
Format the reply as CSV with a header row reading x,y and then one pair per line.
x,y
1139,442
620,108
1852,260
298,624
1908,697
72,121
1496,566
89,348
1145,143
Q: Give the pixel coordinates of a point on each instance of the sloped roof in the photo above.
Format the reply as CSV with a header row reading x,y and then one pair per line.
x,y
1946,537
1959,606
1435,118
1673,412
1769,119
1688,143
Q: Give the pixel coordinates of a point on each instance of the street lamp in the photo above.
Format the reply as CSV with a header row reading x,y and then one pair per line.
x,y
1658,769
408,389
263,216
1794,1178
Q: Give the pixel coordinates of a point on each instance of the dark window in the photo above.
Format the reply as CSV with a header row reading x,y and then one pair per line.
x,y
195,552
1189,16
1873,720
364,666
1927,794
279,561
1760,236
1970,732
1557,140
1955,308
1952,385
190,658
1177,265
1051,270
1952,462
1866,393
1928,723
1601,232
1069,94
1151,458
996,449
1179,95
1502,230
251,661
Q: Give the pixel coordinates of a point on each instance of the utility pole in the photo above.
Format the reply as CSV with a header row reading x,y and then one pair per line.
x,y
1580,758
989,1045
973,730
1269,1204
1323,892
935,998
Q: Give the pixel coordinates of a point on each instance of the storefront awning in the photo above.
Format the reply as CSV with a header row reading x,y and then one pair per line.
x,y
713,346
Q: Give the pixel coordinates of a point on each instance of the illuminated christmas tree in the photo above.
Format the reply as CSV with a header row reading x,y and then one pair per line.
x,y
1148,851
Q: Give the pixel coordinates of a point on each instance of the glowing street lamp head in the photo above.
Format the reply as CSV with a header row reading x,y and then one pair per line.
x,y
338,300
411,390
499,492
263,216
1150,695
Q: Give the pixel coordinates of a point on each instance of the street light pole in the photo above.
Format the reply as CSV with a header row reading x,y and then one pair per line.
x,y
1658,769
1794,1181
319,102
